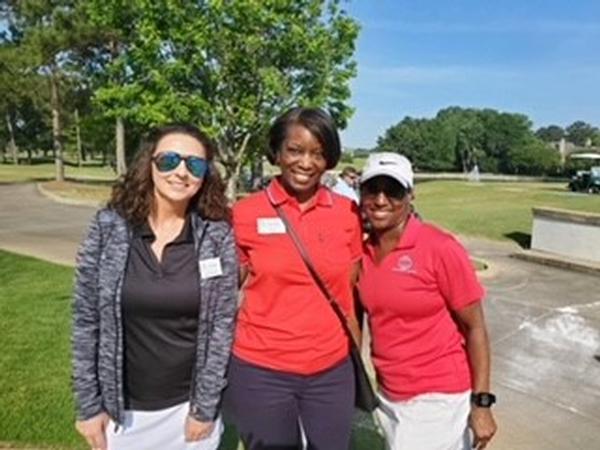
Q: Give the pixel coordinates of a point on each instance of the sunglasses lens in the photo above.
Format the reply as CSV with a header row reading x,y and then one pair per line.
x,y
197,166
167,161
389,187
393,191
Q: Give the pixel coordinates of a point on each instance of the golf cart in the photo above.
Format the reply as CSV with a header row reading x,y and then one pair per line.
x,y
586,180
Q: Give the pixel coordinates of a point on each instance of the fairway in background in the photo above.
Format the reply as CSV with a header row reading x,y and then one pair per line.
x,y
10,173
494,210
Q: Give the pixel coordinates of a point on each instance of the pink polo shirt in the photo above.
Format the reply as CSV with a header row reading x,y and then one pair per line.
x,y
417,347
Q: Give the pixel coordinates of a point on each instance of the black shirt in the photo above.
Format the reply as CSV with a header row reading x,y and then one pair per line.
x,y
160,302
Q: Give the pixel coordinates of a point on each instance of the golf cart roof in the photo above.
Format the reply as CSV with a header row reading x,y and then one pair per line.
x,y
585,156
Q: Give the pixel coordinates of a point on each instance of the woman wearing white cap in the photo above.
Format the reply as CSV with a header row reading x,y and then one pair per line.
x,y
429,340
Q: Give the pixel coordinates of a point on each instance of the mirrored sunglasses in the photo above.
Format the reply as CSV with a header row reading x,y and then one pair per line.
x,y
167,161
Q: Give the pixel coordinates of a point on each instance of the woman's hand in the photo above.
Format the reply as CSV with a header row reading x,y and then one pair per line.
x,y
483,425
94,430
196,430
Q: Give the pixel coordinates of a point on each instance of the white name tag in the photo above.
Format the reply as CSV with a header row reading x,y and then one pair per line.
x,y
210,268
270,225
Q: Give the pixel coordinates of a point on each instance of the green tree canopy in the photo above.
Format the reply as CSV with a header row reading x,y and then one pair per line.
x,y
229,67
551,133
460,138
50,37
580,132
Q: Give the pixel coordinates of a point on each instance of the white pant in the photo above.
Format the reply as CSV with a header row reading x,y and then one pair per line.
x,y
426,422
159,430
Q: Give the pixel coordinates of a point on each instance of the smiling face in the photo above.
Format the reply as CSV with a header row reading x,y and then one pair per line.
x,y
177,186
385,202
302,162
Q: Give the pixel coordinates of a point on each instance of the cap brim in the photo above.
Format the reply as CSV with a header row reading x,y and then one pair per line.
x,y
385,171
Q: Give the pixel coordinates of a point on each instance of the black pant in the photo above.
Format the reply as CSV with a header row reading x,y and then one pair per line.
x,y
266,406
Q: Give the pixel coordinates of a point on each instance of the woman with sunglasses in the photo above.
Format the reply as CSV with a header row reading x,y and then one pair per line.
x,y
429,341
154,302
290,368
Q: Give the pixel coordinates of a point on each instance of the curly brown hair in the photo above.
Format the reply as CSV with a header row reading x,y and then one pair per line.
x,y
133,195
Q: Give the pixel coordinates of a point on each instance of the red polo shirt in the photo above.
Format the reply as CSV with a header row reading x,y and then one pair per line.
x,y
284,322
416,345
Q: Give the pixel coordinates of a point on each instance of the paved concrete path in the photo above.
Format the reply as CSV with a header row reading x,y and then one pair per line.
x,y
32,225
544,325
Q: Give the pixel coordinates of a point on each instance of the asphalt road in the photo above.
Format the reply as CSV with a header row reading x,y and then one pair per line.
x,y
544,325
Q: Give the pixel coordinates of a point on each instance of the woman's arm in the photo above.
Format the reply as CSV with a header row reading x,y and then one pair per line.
x,y
91,419
478,349
86,324
211,376
244,272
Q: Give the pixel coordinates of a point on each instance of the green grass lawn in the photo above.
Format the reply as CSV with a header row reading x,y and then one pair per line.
x,y
36,406
494,210
10,173
35,399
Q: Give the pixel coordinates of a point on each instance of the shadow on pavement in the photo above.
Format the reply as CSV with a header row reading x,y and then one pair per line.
x,y
523,239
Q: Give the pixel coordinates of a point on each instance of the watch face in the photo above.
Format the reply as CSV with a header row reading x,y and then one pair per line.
x,y
483,399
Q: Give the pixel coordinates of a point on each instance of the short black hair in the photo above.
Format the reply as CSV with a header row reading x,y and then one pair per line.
x,y
315,120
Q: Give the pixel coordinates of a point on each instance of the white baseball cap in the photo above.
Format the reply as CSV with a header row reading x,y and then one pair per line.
x,y
389,164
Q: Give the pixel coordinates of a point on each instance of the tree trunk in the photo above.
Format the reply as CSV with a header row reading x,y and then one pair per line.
x,y
233,165
11,142
121,166
56,128
257,173
231,185
78,136
232,171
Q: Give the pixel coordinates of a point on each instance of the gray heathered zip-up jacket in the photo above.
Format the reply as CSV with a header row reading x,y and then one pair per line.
x,y
97,334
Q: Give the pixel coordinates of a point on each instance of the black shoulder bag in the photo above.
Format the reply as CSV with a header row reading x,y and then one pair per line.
x,y
365,395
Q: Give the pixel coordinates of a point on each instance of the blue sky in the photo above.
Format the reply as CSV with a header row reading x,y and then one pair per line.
x,y
537,57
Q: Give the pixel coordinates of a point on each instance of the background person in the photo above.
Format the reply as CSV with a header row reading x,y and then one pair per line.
x,y
154,302
290,359
429,341
347,183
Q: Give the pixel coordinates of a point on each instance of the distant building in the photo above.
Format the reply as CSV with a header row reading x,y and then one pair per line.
x,y
566,148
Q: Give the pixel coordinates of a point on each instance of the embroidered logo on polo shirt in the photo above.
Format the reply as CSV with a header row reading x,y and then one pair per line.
x,y
404,264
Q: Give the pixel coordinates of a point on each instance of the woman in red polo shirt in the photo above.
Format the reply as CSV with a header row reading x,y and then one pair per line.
x,y
290,364
429,340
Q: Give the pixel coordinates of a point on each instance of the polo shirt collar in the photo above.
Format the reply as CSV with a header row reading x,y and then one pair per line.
x,y
411,232
408,238
278,195
144,231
